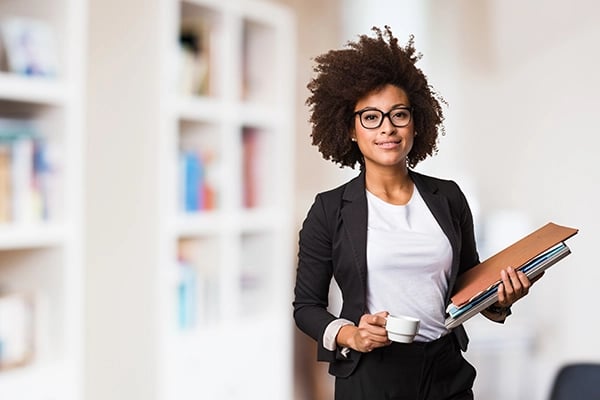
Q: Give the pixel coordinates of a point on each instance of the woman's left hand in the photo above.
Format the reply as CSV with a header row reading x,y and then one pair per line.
x,y
515,285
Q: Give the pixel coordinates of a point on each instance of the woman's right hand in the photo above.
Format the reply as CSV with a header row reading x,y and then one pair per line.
x,y
368,335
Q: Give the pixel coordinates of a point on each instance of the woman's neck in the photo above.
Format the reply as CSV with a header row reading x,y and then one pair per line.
x,y
393,186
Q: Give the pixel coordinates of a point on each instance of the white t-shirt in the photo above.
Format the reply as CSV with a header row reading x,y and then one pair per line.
x,y
409,260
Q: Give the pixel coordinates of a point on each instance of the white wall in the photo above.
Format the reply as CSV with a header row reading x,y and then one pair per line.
x,y
320,29
522,82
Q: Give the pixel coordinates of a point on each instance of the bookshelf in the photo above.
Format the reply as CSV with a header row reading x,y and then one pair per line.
x,y
227,240
41,272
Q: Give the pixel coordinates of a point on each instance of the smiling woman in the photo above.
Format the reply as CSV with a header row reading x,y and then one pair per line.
x,y
353,77
393,239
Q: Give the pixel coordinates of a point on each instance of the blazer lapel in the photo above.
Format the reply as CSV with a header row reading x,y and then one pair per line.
x,y
354,218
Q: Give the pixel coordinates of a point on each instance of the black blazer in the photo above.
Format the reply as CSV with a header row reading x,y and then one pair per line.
x,y
333,244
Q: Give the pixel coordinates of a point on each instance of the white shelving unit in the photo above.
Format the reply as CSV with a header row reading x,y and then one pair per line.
x,y
226,267
43,257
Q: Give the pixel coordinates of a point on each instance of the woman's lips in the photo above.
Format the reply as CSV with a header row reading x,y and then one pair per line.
x,y
388,144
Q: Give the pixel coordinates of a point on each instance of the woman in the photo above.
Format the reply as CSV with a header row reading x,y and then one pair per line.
x,y
394,240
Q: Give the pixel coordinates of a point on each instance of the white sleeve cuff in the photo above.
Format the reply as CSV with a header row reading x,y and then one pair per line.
x,y
331,332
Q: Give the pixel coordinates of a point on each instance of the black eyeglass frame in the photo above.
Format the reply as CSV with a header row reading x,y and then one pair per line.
x,y
383,115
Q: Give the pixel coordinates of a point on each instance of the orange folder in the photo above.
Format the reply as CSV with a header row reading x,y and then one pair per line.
x,y
479,278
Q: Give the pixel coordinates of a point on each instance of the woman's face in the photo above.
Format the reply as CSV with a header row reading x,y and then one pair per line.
x,y
387,145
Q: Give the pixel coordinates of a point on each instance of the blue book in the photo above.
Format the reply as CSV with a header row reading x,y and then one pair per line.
x,y
193,175
186,296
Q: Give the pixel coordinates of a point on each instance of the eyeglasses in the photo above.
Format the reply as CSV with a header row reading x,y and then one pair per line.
x,y
372,118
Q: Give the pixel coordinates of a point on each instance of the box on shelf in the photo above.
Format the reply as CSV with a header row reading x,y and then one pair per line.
x,y
195,56
28,47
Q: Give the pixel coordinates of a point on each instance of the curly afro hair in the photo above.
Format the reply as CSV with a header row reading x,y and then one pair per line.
x,y
344,76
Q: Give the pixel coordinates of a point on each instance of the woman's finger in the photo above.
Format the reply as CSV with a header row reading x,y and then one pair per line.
x,y
515,281
507,284
501,295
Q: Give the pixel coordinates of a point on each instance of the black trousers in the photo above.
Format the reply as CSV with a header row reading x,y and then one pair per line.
x,y
416,371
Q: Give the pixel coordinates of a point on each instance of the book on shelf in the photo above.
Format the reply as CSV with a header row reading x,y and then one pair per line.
x,y
26,172
5,183
197,283
195,184
187,292
477,288
250,173
256,163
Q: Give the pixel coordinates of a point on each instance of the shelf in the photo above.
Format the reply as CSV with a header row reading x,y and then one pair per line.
x,y
213,222
34,90
192,359
261,115
201,223
211,110
39,382
262,219
192,344
200,109
21,236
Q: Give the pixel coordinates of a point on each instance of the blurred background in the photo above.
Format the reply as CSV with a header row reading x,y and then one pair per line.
x,y
156,166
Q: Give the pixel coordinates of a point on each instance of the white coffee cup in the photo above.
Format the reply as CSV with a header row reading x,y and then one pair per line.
x,y
401,328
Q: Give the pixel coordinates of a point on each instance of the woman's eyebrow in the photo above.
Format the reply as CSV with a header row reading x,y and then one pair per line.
x,y
399,106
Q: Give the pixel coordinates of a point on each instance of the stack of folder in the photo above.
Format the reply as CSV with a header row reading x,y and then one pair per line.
x,y
477,289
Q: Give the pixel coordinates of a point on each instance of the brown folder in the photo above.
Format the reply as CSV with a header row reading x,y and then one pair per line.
x,y
487,273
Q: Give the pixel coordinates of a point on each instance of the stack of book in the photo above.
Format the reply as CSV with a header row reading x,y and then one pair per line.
x,y
26,172
477,289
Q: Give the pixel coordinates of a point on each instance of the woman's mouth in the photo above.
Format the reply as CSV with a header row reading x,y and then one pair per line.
x,y
388,144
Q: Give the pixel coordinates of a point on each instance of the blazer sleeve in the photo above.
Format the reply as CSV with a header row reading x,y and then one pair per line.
x,y
468,256
313,277
468,250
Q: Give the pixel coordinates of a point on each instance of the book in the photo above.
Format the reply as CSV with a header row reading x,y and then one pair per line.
x,y
250,167
193,176
476,289
198,284
5,182
196,181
